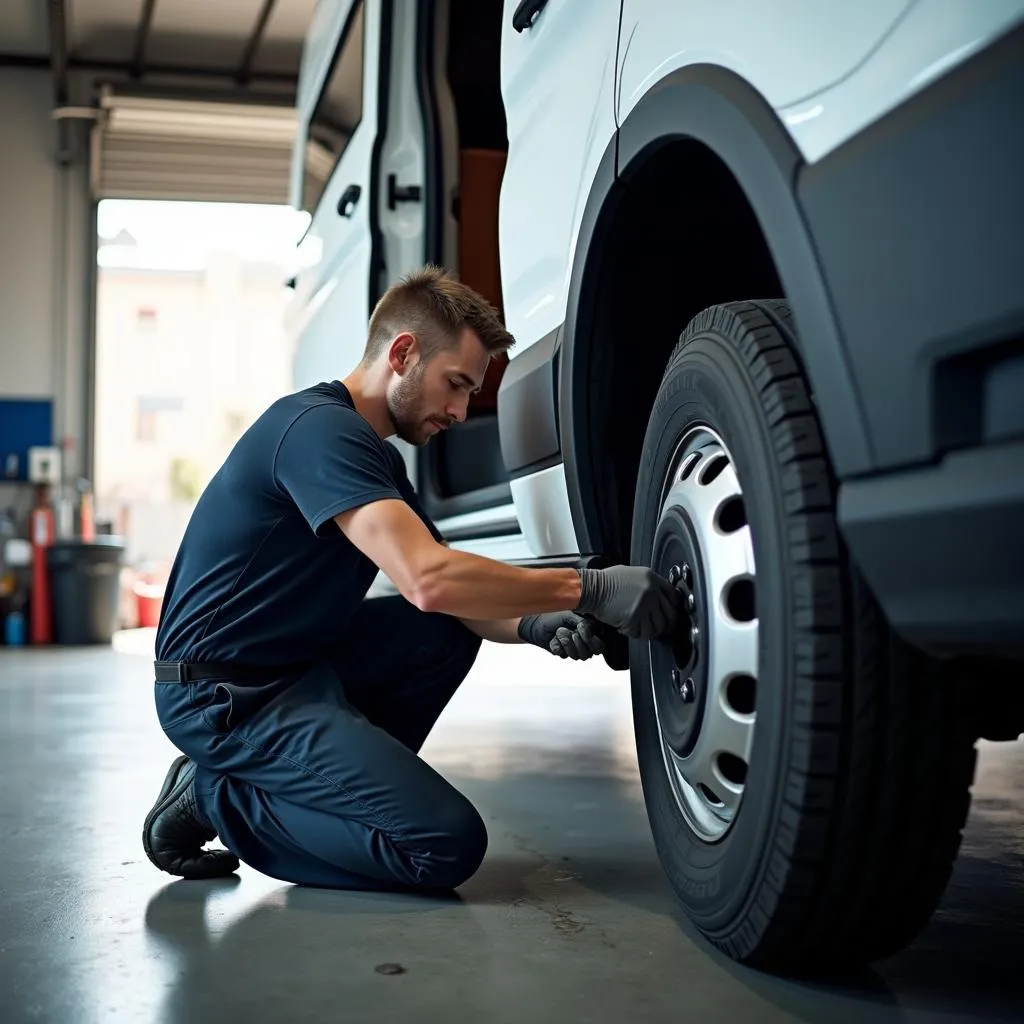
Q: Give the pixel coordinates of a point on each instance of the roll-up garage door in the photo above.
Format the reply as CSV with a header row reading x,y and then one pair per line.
x,y
146,148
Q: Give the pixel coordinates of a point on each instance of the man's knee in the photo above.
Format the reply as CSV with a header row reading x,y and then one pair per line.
x,y
456,850
471,842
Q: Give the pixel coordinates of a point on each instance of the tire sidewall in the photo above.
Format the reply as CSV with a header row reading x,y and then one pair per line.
x,y
706,383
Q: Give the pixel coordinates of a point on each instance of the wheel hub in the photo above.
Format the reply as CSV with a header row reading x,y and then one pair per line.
x,y
679,663
704,676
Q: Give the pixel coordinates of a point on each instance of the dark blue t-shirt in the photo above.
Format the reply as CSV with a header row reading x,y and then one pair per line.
x,y
263,575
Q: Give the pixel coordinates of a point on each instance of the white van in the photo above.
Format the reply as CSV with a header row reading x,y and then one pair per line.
x,y
763,264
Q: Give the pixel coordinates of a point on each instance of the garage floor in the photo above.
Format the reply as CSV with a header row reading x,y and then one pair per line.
x,y
569,919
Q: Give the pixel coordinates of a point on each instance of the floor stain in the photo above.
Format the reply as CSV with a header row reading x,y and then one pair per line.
x,y
563,920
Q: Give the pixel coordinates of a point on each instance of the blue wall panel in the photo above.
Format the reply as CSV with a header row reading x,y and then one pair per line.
x,y
24,423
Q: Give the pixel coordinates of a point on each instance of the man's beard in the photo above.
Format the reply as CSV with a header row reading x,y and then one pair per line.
x,y
405,409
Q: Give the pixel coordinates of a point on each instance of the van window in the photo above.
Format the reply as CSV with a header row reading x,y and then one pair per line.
x,y
338,111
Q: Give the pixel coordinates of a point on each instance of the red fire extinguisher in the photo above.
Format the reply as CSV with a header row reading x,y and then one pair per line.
x,y
43,530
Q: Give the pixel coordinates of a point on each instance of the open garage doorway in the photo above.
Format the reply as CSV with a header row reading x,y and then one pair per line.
x,y
191,347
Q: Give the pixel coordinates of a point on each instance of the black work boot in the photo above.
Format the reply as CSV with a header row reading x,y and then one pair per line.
x,y
175,831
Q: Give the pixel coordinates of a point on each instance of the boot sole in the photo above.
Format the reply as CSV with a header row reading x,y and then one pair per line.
x,y
169,792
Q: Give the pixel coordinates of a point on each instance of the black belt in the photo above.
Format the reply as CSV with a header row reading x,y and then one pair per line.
x,y
187,672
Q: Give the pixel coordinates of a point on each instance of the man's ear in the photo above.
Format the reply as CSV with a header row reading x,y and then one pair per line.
x,y
402,352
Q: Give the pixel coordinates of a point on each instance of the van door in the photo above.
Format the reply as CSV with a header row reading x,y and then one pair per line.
x,y
332,176
557,81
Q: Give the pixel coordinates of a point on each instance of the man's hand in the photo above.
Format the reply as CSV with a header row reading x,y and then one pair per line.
x,y
565,634
632,599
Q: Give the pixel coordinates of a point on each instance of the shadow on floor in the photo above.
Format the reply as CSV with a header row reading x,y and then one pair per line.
x,y
967,963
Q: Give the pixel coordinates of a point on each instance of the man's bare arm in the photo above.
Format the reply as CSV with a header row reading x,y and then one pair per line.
x,y
498,631
437,579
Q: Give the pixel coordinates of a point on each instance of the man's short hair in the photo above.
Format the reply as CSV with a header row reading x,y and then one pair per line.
x,y
435,306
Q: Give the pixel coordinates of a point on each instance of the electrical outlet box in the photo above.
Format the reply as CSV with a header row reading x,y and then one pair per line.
x,y
44,465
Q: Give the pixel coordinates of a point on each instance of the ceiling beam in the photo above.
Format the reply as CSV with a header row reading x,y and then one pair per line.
x,y
142,38
58,29
24,60
244,73
184,71
37,61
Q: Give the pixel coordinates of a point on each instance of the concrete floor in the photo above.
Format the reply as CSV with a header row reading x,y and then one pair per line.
x,y
569,918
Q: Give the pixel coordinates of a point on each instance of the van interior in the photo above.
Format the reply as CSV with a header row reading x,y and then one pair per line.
x,y
462,470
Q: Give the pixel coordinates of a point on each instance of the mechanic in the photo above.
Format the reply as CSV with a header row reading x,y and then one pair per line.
x,y
298,704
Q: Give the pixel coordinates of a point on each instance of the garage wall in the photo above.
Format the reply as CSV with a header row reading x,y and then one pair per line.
x,y
46,256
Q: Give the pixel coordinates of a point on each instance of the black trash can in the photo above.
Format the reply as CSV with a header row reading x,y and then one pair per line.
x,y
84,586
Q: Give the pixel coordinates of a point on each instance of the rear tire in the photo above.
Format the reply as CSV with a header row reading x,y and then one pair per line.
x,y
832,846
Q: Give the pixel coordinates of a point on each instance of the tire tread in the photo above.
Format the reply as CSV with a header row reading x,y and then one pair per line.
x,y
877,772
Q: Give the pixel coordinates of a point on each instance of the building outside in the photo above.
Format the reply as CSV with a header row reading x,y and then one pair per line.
x,y
187,358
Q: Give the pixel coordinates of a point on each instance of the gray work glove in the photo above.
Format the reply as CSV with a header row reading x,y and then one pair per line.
x,y
563,633
630,598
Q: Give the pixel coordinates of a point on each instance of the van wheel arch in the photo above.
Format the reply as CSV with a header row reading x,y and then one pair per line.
x,y
703,156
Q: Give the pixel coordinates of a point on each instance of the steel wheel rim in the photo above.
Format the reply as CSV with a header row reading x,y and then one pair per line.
x,y
704,687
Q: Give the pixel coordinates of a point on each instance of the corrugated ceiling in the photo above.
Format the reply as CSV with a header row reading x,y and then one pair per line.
x,y
242,41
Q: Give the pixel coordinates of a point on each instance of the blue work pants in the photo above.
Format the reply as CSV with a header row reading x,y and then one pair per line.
x,y
316,779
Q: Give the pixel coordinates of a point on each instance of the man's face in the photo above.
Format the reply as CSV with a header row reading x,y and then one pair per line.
x,y
428,397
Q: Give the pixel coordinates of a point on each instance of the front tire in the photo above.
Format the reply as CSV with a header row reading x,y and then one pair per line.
x,y
805,774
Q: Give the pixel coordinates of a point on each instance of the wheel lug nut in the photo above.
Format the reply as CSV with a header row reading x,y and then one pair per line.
x,y
674,575
685,573
687,691
691,602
